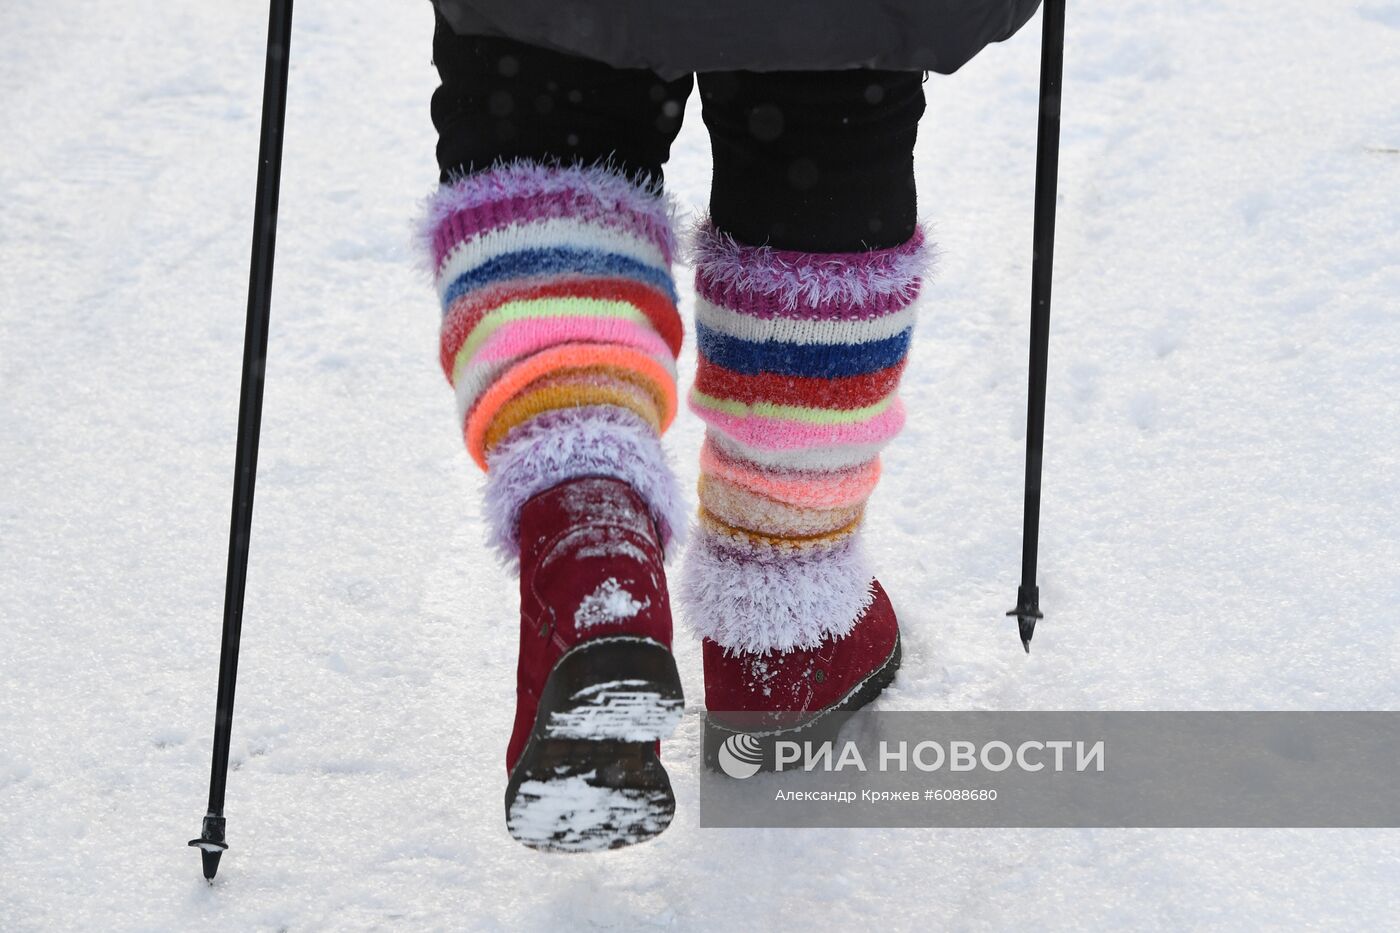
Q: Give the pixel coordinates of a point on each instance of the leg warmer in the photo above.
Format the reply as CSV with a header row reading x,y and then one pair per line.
x,y
559,331
800,360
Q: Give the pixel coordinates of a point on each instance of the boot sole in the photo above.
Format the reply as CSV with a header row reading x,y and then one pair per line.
x,y
589,778
823,726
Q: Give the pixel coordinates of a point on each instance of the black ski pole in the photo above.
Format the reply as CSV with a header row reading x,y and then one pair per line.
x,y
211,838
1047,164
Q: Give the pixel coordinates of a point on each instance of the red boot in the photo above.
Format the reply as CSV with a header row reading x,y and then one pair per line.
x,y
793,694
596,684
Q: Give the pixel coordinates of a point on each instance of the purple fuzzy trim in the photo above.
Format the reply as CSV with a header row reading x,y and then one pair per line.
x,y
779,305
753,602
465,225
565,444
734,274
603,193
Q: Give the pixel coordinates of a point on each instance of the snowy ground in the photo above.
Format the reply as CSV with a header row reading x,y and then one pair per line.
x,y
1221,511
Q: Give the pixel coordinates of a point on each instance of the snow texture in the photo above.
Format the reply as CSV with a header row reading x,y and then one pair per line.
x,y
572,815
626,710
1221,502
609,604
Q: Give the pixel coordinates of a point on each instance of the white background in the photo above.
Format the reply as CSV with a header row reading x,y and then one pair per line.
x,y
1220,520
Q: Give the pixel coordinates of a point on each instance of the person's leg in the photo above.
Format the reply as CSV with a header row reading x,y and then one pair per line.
x,y
502,100
806,275
814,161
551,245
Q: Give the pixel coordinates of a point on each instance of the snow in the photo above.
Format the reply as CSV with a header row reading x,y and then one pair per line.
x,y
630,710
1219,529
609,604
591,813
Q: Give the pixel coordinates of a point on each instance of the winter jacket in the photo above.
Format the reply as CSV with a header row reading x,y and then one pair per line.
x,y
674,37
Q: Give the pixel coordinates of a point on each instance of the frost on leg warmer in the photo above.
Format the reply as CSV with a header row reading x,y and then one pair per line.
x,y
800,360
559,332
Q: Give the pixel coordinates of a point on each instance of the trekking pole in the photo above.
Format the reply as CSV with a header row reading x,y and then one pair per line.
x,y
1047,163
211,838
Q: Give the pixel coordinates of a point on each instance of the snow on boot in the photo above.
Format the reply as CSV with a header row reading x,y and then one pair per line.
x,y
792,694
800,356
559,337
596,685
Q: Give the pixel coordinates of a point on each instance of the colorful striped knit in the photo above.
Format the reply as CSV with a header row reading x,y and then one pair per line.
x,y
800,359
559,331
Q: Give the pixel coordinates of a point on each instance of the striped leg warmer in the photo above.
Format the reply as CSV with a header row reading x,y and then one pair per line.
x,y
559,332
800,359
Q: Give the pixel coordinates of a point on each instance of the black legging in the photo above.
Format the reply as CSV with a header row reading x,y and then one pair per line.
x,y
819,161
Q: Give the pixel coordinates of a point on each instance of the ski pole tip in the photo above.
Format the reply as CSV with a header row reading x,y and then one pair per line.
x,y
211,845
1027,613
209,854
210,863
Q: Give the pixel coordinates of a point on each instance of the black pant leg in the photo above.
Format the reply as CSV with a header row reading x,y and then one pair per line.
x,y
819,161
501,99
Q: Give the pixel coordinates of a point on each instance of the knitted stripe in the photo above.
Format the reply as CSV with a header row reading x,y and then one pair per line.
x,y
817,416
593,385
523,337
559,332
836,394
801,330
749,541
825,361
787,434
817,490
469,310
558,233
568,356
800,356
740,508
556,261
592,378
814,459
592,191
474,380
541,209
540,398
